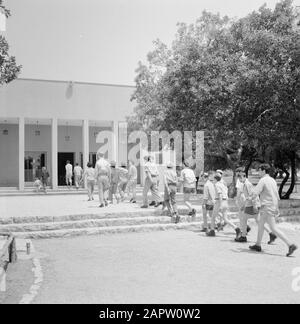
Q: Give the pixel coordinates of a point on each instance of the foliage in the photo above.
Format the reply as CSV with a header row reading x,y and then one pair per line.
x,y
9,70
238,80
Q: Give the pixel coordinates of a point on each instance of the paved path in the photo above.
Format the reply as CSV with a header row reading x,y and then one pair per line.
x,y
43,205
161,267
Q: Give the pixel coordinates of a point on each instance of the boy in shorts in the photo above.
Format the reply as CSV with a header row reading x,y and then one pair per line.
x,y
189,181
170,184
208,199
114,183
250,209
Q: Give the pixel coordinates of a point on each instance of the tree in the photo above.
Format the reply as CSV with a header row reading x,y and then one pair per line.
x,y
9,70
237,80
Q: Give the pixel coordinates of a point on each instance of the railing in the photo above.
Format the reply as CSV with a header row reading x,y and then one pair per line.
x,y
8,254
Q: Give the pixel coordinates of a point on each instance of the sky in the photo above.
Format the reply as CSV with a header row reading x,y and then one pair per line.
x,y
101,41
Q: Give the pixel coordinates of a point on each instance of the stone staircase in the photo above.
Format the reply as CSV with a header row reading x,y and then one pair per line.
x,y
38,227
90,224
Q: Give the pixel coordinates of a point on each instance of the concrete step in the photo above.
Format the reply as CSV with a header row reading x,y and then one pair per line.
x,y
107,222
108,230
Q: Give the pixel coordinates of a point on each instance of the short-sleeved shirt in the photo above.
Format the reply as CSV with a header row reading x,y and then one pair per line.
x,y
115,176
89,173
152,168
266,189
248,193
171,177
78,170
209,193
221,189
123,174
69,169
188,178
102,167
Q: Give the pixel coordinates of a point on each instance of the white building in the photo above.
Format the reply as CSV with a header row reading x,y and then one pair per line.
x,y
46,123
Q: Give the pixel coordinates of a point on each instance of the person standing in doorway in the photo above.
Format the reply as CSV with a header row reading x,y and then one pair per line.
x,y
89,176
266,190
69,174
132,182
45,178
103,178
151,183
77,175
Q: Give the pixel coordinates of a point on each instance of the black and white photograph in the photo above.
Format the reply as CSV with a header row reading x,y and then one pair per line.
x,y
149,155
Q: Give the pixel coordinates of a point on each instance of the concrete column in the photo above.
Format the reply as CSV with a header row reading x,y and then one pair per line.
x,y
85,144
21,152
115,141
123,146
54,155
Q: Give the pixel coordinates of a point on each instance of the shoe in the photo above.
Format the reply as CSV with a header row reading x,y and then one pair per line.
x,y
158,204
220,227
133,202
101,206
177,219
241,239
106,203
204,230
273,237
292,249
194,212
248,229
190,213
153,203
211,233
255,247
144,206
238,232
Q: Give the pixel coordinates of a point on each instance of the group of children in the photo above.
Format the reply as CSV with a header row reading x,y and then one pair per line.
x,y
41,180
119,181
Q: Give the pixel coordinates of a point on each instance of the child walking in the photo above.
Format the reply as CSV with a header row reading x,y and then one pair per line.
x,y
114,183
221,206
189,181
123,172
89,176
170,184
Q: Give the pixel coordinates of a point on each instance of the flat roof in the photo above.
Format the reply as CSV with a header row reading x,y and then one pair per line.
x,y
77,82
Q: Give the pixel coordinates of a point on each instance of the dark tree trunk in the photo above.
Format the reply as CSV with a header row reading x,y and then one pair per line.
x,y
248,165
293,176
284,181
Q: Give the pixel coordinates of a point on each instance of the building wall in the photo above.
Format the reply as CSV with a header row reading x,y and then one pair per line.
x,y
45,100
9,155
55,99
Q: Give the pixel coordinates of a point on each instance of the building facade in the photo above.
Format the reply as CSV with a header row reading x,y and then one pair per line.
x,y
46,123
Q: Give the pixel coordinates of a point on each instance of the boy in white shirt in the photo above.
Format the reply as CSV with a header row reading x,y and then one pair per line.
x,y
221,206
188,179
266,190
209,196
77,175
69,174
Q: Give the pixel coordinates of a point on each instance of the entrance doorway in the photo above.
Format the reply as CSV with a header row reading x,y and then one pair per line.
x,y
33,163
61,166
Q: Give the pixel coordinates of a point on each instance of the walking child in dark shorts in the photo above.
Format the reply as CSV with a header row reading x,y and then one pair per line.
x,y
114,183
170,183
